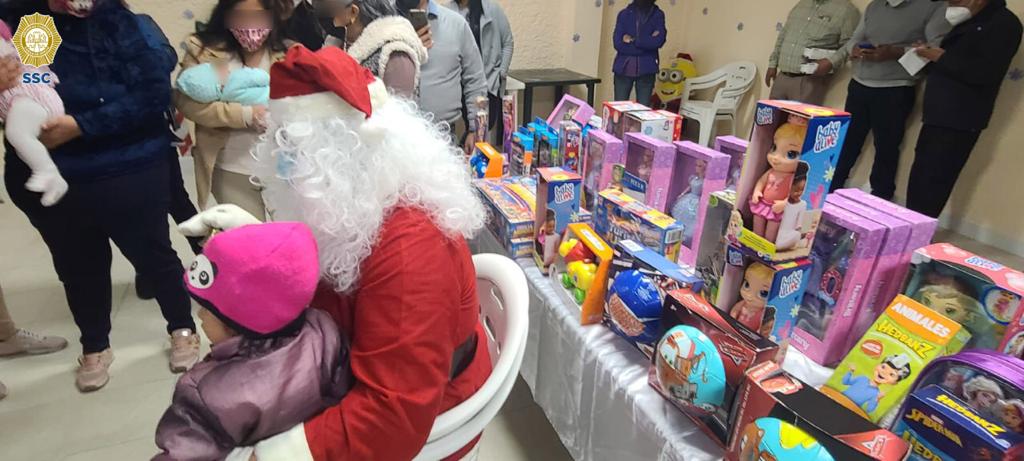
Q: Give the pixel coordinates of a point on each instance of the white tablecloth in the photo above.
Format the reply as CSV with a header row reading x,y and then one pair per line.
x,y
593,386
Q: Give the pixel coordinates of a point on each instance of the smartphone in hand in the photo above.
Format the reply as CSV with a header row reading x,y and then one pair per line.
x,y
418,18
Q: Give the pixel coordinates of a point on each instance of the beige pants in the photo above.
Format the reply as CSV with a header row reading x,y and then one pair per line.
x,y
237,189
807,89
7,328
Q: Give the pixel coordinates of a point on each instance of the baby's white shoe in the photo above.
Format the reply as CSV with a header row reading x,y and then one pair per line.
x,y
49,183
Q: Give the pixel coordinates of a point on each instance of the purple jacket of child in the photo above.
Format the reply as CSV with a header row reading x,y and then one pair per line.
x,y
246,390
639,57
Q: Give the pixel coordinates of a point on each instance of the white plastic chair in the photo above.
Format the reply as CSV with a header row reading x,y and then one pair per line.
x,y
504,308
738,79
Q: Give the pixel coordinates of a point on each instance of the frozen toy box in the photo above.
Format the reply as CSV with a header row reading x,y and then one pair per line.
x,y
789,164
736,149
698,173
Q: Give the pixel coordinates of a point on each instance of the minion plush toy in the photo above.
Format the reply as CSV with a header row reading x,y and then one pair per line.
x,y
668,89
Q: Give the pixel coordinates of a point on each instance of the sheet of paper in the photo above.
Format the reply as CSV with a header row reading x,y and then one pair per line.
x,y
912,62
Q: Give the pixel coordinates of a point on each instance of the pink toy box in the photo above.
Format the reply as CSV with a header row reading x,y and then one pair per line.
x,y
602,152
842,258
922,229
793,152
699,172
736,149
650,168
571,109
613,116
983,296
652,124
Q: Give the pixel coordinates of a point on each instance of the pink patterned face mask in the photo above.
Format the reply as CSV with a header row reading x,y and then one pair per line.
x,y
251,38
79,8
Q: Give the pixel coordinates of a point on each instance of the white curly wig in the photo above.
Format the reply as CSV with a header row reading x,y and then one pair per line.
x,y
343,175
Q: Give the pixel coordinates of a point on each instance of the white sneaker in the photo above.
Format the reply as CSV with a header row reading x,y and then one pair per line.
x,y
27,343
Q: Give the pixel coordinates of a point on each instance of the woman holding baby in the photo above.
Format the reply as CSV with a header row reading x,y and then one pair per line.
x,y
223,88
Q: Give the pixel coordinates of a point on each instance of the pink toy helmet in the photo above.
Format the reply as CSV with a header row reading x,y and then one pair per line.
x,y
257,279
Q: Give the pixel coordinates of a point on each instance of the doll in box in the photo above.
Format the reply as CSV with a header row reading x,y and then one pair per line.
x,y
775,184
791,229
646,166
548,241
685,208
757,282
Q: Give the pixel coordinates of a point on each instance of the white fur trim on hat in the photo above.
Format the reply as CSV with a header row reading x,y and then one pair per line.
x,y
323,105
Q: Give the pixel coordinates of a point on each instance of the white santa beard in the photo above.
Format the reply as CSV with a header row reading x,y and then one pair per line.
x,y
342,176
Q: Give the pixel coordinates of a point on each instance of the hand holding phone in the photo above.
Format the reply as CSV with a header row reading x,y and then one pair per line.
x,y
419,19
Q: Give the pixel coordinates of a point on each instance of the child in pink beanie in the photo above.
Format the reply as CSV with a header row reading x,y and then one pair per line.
x,y
25,109
274,362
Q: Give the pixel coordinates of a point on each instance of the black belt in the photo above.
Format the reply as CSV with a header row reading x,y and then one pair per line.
x,y
462,357
792,75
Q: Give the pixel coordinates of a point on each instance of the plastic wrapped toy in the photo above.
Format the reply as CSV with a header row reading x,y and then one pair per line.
x,y
582,269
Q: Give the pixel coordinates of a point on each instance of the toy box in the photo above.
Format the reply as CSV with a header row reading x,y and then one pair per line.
x,y
509,119
613,118
891,354
763,297
922,229
651,123
558,205
582,269
650,169
570,148
710,264
545,147
790,161
621,217
571,109
940,426
678,123
982,295
639,281
842,258
603,151
736,149
521,153
510,204
701,172
778,417
701,359
486,162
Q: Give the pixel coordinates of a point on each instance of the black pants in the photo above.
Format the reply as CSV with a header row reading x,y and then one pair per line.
x,y
883,111
132,211
941,155
181,207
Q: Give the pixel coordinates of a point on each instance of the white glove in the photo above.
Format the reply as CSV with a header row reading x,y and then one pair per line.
x,y
49,183
220,217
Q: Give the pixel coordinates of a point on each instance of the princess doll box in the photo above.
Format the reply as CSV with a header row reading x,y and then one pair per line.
x,y
602,152
790,161
842,258
984,296
701,360
699,173
736,149
571,109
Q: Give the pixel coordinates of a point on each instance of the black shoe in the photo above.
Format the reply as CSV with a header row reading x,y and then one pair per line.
x,y
144,288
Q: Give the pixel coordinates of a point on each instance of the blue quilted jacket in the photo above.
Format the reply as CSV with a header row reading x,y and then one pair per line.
x,y
114,69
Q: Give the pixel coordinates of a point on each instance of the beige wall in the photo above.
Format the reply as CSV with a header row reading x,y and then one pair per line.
x,y
985,203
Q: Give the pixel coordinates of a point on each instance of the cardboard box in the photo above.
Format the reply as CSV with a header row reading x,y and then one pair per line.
x,y
639,281
570,147
510,204
736,149
571,109
700,172
940,426
701,360
983,296
779,417
521,154
582,269
650,170
801,141
545,148
651,123
487,162
842,259
558,205
603,152
746,279
509,117
677,121
613,118
711,254
892,353
621,217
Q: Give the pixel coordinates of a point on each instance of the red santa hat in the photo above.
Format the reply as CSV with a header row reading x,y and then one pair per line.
x,y
309,85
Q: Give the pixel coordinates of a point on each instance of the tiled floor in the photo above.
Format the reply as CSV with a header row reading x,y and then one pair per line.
x,y
44,418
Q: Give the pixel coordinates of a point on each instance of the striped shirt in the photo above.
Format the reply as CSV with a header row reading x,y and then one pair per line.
x,y
826,24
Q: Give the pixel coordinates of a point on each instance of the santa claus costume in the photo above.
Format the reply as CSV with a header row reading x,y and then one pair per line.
x,y
391,205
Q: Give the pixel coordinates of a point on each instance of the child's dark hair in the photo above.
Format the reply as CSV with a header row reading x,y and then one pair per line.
x,y
801,172
550,215
216,34
904,371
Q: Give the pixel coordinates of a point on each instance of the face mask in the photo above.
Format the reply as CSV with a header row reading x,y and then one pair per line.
x,y
957,15
78,8
895,3
251,39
